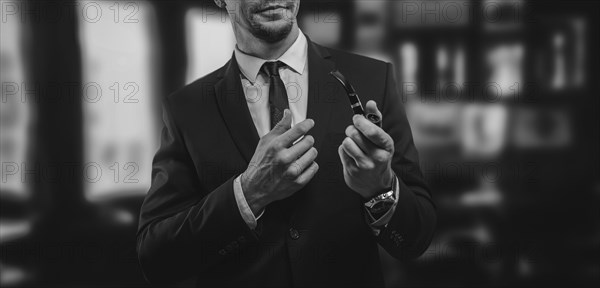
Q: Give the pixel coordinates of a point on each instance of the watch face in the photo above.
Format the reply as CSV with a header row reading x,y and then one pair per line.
x,y
382,206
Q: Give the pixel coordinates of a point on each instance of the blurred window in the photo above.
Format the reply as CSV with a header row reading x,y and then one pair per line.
x,y
210,41
409,68
434,125
15,122
541,128
14,109
412,14
371,29
322,26
502,15
505,62
119,132
484,130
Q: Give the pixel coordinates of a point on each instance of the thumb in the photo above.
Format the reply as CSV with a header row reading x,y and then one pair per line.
x,y
371,108
285,124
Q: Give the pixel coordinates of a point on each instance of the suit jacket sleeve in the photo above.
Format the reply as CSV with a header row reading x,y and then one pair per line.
x,y
185,228
410,230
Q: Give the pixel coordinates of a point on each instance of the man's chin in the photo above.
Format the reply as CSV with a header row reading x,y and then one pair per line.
x,y
272,31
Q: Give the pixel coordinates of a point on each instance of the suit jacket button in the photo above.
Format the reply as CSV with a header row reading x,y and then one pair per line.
x,y
222,252
294,234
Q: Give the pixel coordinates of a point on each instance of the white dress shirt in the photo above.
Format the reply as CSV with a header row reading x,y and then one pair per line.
x,y
256,89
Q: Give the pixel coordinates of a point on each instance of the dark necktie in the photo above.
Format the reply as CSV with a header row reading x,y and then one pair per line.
x,y
278,100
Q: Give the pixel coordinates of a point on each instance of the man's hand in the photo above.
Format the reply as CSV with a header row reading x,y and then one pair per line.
x,y
279,168
366,155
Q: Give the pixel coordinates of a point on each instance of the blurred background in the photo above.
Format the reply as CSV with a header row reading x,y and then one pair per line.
x,y
499,95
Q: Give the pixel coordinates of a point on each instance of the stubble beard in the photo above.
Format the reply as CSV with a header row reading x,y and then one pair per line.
x,y
271,35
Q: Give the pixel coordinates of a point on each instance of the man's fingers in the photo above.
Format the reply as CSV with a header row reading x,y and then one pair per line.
x,y
362,142
375,134
347,162
305,160
301,147
284,125
299,130
308,174
354,151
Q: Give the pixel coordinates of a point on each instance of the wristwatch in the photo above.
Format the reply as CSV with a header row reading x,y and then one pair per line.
x,y
381,203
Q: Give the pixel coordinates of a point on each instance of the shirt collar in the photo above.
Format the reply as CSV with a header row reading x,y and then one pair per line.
x,y
295,57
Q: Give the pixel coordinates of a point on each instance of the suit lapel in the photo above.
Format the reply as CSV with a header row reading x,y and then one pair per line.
x,y
322,93
234,110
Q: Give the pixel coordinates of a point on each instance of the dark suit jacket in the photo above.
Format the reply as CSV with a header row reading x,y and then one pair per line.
x,y
190,225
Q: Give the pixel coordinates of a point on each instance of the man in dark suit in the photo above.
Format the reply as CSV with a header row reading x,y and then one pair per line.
x,y
265,178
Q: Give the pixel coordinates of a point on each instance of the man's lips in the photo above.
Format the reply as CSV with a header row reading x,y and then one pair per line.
x,y
272,7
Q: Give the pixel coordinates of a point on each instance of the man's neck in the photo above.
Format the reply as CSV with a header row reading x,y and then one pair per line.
x,y
256,47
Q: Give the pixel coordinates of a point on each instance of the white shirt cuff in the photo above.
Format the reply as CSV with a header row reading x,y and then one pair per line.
x,y
242,204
